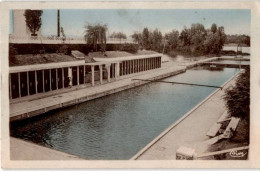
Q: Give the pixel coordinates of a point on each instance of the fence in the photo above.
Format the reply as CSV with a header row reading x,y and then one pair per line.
x,y
59,40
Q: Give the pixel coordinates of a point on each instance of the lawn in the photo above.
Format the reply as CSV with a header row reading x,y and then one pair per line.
x,y
30,59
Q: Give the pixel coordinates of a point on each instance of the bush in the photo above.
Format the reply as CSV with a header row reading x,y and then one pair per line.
x,y
131,48
237,98
65,50
172,54
12,53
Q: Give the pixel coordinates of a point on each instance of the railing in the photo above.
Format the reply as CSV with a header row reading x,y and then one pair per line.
x,y
59,40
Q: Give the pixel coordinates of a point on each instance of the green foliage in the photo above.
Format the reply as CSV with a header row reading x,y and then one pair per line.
x,y
96,34
156,40
131,48
12,53
193,41
33,20
172,39
146,39
64,49
118,35
213,28
238,39
237,99
138,38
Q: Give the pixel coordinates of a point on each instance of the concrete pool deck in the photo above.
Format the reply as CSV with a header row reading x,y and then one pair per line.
x,y
38,104
189,131
23,150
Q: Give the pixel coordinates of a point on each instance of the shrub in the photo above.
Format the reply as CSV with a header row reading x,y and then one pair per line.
x,y
12,53
131,48
237,98
64,49
172,54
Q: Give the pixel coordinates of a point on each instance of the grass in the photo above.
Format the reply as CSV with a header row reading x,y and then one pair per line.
x,y
30,59
109,54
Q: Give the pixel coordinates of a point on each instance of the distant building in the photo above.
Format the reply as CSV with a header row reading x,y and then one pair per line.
x,y
19,24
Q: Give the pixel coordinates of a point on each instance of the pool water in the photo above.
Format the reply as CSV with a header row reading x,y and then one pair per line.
x,y
117,126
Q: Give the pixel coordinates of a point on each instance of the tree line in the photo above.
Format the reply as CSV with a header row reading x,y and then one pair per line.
x,y
243,40
195,40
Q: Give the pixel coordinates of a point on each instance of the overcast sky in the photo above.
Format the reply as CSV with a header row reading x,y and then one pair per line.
x,y
129,21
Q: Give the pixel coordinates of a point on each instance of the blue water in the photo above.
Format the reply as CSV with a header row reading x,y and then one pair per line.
x,y
119,125
243,62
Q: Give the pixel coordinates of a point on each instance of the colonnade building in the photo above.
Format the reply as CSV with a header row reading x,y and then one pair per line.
x,y
43,78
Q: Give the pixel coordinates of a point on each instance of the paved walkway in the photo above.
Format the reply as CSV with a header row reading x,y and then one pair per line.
x,y
56,98
190,132
23,150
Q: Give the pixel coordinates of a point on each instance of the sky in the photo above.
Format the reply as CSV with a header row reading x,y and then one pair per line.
x,y
130,20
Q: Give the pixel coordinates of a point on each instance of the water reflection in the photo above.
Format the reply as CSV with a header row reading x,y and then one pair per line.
x,y
119,125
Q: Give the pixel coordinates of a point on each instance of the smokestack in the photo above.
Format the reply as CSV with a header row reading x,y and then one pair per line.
x,y
58,20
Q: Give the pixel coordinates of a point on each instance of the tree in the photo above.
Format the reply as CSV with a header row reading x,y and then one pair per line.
x,y
185,36
156,40
118,35
214,28
146,40
237,98
172,39
96,34
63,34
137,37
33,20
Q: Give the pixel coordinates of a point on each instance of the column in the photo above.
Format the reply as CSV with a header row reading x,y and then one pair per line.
x,y
148,59
78,75
112,70
108,72
150,63
153,63
57,78
36,83
100,74
28,85
10,86
127,67
117,69
92,75
50,79
141,65
43,84
19,84
135,66
132,67
145,65
62,76
84,74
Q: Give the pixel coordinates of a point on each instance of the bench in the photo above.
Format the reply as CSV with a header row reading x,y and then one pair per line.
x,y
231,127
77,54
215,128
